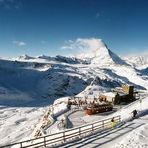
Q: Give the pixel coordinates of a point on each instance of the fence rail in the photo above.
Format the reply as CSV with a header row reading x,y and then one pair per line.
x,y
65,136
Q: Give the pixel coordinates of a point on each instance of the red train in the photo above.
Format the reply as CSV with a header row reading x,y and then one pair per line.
x,y
94,109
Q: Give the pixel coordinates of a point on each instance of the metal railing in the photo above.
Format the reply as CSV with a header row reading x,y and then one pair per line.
x,y
66,136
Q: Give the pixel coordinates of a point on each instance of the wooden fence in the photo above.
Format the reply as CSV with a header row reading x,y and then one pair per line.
x,y
65,136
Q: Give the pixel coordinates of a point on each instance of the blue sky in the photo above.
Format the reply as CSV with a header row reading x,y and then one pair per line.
x,y
38,27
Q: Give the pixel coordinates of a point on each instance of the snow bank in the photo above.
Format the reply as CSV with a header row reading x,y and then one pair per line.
x,y
17,124
59,108
136,139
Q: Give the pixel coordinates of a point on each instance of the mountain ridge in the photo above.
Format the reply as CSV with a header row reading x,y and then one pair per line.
x,y
46,78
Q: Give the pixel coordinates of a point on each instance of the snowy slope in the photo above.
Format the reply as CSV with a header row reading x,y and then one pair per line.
x,y
29,84
135,139
34,82
138,61
17,123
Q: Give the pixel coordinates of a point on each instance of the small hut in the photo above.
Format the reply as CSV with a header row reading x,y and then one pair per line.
x,y
125,94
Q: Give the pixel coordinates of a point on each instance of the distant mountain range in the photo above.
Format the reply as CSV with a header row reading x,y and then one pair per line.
x,y
40,80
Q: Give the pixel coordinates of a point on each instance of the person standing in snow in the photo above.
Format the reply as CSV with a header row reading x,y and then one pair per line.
x,y
113,123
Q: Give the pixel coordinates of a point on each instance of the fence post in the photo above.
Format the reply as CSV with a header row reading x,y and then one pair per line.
x,y
92,127
79,131
140,105
119,118
103,124
21,144
45,141
64,136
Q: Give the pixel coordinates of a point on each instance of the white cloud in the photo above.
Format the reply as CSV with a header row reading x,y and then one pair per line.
x,y
19,43
84,47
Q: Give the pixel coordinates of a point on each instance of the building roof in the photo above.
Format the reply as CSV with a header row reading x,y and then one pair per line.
x,y
109,94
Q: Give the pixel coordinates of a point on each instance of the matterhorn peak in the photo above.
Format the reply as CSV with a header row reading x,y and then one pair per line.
x,y
104,56
100,49
97,52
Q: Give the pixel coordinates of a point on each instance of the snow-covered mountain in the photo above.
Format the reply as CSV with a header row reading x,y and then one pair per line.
x,y
38,81
45,77
102,56
25,57
137,61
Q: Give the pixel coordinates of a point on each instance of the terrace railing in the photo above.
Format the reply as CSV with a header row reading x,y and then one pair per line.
x,y
66,136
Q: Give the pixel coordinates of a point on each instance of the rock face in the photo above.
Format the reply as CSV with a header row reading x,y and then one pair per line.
x,y
104,56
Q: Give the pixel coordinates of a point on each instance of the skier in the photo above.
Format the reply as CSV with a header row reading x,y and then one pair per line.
x,y
134,112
